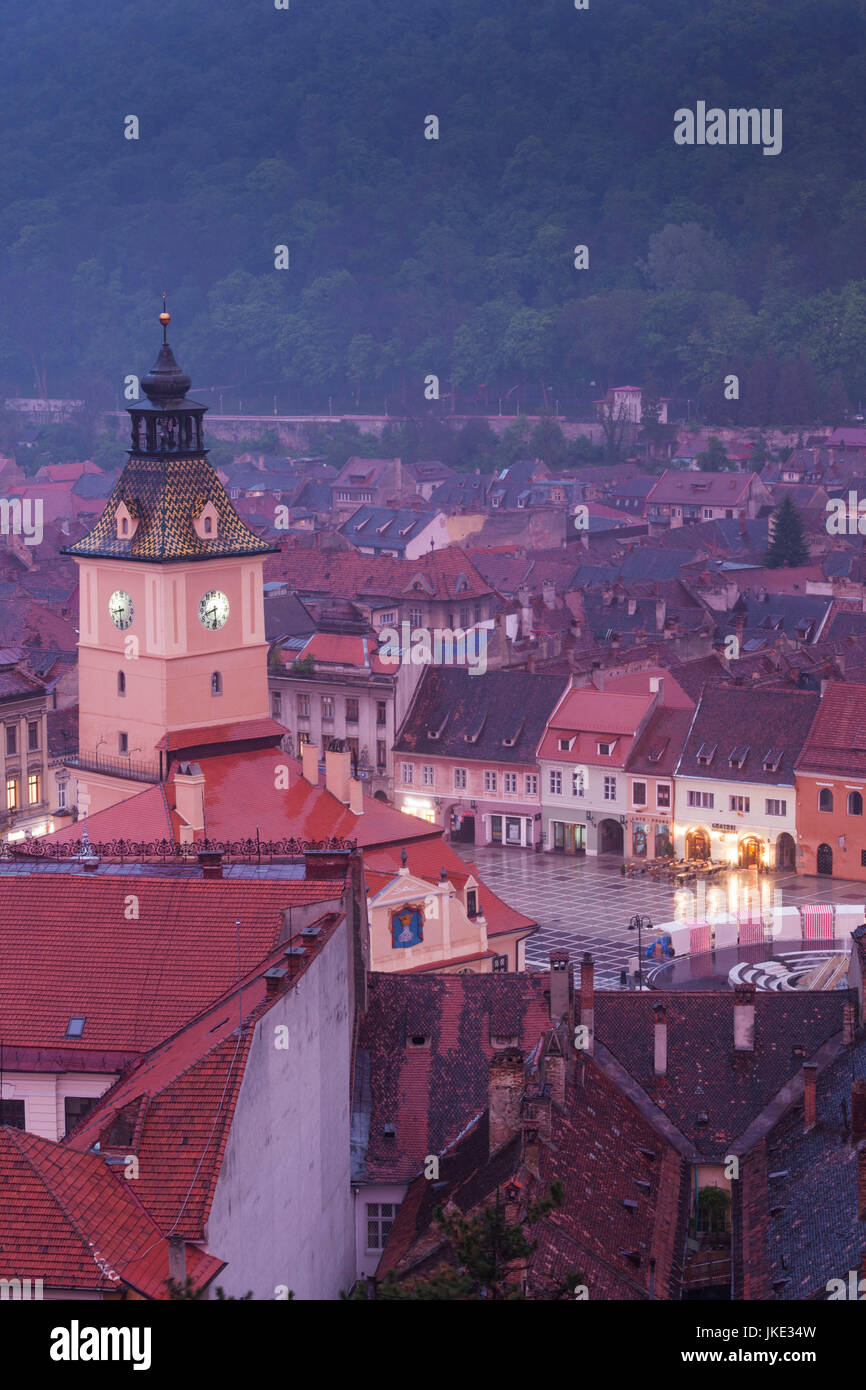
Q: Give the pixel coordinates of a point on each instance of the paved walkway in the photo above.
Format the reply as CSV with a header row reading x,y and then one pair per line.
x,y
584,904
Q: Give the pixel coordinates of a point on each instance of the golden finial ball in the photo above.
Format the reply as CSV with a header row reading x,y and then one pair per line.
x,y
165,319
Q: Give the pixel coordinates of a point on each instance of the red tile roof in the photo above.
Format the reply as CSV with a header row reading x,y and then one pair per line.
x,y
836,742
67,948
430,1093
711,489
591,715
181,1100
69,1219
351,575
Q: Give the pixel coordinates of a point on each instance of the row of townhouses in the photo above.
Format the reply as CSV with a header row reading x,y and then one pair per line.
x,y
631,765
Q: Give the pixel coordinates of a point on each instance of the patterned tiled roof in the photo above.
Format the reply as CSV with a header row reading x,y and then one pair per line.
x,y
430,1093
168,494
705,1076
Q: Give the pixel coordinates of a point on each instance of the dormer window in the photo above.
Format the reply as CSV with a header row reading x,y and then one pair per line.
x,y
126,521
605,749
565,745
206,522
738,755
706,753
75,1026
772,759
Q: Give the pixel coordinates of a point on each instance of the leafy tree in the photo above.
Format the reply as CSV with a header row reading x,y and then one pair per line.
x,y
788,546
484,1247
713,459
187,1290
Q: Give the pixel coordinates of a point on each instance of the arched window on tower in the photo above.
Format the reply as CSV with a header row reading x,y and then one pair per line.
x,y
124,526
216,683
855,804
121,682
825,799
208,525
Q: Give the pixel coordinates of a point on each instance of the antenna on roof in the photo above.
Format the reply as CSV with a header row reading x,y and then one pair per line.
x,y
240,990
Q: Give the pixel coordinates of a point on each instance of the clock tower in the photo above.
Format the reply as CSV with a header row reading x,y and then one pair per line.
x,y
171,630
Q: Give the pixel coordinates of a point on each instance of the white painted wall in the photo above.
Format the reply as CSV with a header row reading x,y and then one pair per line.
x,y
282,1211
43,1094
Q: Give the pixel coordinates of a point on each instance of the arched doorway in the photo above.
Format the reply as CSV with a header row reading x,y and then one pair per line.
x,y
825,859
611,839
697,844
785,851
749,855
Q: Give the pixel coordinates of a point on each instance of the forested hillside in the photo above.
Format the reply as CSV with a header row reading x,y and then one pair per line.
x,y
453,256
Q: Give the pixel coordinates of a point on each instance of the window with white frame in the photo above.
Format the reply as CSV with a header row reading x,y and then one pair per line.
x,y
490,780
705,799
610,789
740,803
663,795
407,772
303,702
509,783
380,1219
530,784
774,807
416,617
428,774
460,779
639,793
555,782
577,783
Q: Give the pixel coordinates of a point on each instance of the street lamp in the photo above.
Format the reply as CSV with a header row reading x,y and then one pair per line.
x,y
640,924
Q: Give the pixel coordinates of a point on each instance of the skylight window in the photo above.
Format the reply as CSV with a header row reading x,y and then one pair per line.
x,y
75,1026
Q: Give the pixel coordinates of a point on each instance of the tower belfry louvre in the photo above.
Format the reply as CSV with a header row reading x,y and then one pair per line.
x,y
171,632
168,483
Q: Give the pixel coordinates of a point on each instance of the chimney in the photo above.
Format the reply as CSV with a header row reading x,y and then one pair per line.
x,y
657,687
848,1025
338,772
210,861
744,1018
189,798
310,763
661,610
356,796
504,1094
561,987
555,1066
632,607
587,999
660,1040
858,1111
596,675
177,1259
548,593
810,1096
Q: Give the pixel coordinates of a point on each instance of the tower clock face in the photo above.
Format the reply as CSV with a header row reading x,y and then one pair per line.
x,y
213,611
121,609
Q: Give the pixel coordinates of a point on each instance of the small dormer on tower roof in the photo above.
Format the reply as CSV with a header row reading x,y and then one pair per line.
x,y
183,510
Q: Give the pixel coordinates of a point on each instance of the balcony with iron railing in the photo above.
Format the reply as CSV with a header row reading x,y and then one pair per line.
x,y
130,769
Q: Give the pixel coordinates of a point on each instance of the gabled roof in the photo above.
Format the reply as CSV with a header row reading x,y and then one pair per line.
x,y
694,489
705,1076
430,1093
69,1219
175,1110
